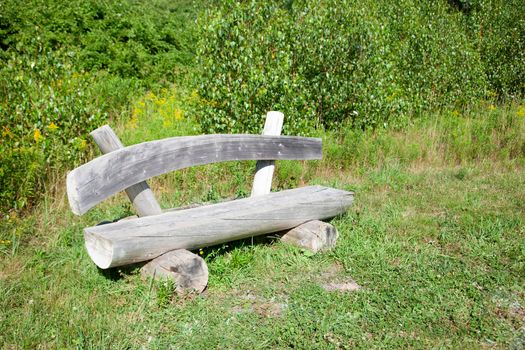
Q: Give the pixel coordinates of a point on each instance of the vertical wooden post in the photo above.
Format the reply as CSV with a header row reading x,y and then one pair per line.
x,y
140,194
262,182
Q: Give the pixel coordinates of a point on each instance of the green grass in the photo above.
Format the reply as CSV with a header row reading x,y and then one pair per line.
x,y
435,239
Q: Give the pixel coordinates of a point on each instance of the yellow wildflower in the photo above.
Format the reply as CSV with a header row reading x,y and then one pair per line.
x,y
178,114
194,95
7,132
521,111
52,126
492,107
133,121
160,101
83,144
37,135
455,113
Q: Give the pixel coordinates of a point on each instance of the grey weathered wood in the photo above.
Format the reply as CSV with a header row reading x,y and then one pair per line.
x,y
314,235
262,181
188,271
145,238
104,176
140,194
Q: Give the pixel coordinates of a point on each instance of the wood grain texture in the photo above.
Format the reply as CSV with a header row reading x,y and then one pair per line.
x,y
188,271
104,176
314,235
262,181
131,241
140,194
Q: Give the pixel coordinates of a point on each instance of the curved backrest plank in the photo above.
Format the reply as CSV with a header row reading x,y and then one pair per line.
x,y
104,176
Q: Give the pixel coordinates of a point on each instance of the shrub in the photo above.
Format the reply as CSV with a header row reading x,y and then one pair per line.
x,y
497,28
358,63
66,67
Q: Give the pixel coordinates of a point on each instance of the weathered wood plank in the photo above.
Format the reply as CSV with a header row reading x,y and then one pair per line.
x,y
131,241
262,181
104,176
140,194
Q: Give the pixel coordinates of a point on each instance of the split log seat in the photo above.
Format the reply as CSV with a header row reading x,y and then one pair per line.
x,y
141,239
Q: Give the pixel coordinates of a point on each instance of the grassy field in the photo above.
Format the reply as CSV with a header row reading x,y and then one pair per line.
x,y
435,239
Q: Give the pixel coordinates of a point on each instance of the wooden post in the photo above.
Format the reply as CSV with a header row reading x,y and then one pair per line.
x,y
262,182
140,195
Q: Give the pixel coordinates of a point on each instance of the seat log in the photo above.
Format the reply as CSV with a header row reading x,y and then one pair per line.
x,y
141,239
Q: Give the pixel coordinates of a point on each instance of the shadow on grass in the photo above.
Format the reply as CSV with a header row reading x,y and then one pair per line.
x,y
119,272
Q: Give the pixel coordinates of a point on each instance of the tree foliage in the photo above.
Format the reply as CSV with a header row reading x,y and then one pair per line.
x,y
358,63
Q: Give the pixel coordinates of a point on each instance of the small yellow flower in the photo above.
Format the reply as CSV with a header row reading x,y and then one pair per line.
x,y
80,143
52,126
521,111
7,132
455,113
178,114
194,95
133,121
201,252
492,107
160,101
37,135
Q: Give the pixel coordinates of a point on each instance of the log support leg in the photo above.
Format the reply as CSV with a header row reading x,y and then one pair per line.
x,y
313,235
188,271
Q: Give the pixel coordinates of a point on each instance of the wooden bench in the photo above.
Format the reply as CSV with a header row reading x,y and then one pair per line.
x,y
155,232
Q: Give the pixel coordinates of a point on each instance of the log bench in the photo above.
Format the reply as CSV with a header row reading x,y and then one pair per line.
x,y
156,232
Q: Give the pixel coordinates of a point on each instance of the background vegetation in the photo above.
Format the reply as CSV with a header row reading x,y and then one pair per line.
x,y
67,67
420,107
356,63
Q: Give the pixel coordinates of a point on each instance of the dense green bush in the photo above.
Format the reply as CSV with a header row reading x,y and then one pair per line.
x,y
497,27
127,38
362,63
66,67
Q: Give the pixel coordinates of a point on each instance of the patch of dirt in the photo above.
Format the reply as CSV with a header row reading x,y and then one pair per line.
x,y
348,286
269,309
261,306
332,281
